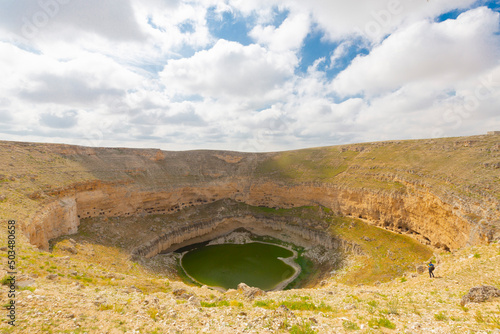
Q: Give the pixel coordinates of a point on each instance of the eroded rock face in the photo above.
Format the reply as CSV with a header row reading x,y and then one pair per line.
x,y
419,213
127,182
55,219
208,229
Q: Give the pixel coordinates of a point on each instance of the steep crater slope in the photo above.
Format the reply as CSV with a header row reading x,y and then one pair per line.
x,y
326,243
445,191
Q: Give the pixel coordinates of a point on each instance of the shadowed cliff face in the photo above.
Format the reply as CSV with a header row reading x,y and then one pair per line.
x,y
444,191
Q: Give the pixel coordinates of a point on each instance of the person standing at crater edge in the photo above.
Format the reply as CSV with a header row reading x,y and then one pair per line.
x,y
431,269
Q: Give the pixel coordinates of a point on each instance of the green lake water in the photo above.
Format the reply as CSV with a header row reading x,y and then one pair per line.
x,y
227,265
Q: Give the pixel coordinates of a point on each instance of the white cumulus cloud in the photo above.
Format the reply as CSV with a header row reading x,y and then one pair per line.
x,y
230,70
288,36
437,53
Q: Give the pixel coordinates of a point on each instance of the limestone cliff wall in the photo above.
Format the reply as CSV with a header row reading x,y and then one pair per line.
x,y
416,210
444,191
208,229
53,220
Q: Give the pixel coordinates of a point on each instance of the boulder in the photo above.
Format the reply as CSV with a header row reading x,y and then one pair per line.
x,y
67,246
194,301
250,292
26,283
181,294
134,289
151,300
421,269
69,249
231,292
100,300
480,294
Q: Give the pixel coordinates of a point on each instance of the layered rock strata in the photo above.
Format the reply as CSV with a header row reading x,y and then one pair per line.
x,y
438,223
201,231
414,187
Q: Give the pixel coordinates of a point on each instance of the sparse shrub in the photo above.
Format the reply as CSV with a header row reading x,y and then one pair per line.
x,y
384,322
264,303
119,309
305,306
294,305
6,280
299,305
29,288
441,316
235,303
372,306
464,308
350,325
223,303
153,313
105,307
403,279
303,328
381,322
479,317
393,306
495,320
215,304
477,255
284,324
351,298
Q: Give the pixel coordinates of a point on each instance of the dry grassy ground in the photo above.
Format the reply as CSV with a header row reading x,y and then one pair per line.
x,y
93,287
99,290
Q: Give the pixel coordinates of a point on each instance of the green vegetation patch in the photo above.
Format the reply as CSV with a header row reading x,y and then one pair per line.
x,y
294,305
220,303
381,322
388,254
306,165
305,327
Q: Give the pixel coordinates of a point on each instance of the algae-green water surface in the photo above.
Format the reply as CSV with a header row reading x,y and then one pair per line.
x,y
227,265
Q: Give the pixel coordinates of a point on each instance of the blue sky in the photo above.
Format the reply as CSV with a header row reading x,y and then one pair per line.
x,y
247,75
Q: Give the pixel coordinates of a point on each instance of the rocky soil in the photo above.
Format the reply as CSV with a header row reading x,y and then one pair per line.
x,y
133,301
443,192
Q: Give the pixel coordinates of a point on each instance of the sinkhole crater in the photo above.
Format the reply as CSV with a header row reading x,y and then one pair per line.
x,y
262,265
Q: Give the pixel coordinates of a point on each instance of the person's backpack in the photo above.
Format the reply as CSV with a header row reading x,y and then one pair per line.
x,y
431,267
